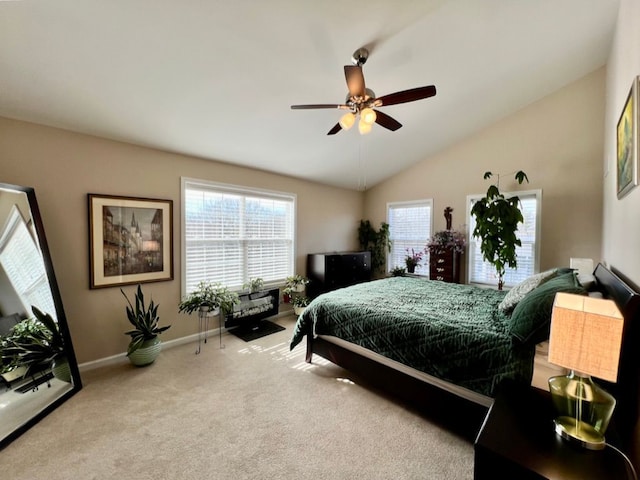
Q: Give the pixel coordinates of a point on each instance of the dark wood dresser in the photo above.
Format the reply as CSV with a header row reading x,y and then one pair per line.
x,y
444,265
329,271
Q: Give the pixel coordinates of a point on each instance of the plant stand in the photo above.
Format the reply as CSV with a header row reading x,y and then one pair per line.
x,y
203,327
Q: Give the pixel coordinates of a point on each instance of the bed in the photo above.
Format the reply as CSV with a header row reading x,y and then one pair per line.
x,y
454,384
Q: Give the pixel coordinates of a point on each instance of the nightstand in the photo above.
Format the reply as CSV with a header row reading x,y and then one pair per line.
x,y
517,440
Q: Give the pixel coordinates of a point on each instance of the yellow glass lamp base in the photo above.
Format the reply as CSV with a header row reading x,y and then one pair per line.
x,y
579,432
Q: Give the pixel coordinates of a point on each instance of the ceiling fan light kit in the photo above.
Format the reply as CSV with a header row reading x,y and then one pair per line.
x,y
361,101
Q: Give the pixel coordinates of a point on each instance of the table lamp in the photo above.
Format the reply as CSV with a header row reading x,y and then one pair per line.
x,y
585,338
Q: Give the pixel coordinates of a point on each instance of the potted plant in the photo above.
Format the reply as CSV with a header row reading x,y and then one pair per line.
x,y
145,345
253,285
447,239
398,271
209,296
299,304
412,260
296,283
37,344
497,219
375,241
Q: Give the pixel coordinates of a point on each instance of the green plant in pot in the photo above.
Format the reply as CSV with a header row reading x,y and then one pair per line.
x,y
296,283
209,296
145,345
254,285
497,219
36,344
375,241
300,303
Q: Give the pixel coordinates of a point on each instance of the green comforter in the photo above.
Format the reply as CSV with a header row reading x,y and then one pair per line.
x,y
453,332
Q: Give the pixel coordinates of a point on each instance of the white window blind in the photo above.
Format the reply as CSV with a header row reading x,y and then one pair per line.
x,y
232,234
22,262
527,255
409,227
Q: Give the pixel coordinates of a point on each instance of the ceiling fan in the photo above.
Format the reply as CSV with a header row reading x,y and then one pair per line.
x,y
362,101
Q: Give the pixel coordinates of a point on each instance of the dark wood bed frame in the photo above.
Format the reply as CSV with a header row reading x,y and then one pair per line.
x,y
465,416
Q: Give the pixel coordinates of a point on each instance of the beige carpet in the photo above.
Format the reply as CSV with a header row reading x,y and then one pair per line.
x,y
251,410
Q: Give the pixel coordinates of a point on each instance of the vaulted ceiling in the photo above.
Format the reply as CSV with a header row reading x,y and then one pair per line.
x,y
215,79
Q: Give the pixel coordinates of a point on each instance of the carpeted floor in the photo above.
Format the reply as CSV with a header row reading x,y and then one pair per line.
x,y
248,411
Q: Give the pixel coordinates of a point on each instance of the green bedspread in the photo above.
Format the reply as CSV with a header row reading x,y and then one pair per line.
x,y
453,332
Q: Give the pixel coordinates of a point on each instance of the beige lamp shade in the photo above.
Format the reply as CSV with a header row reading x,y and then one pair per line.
x,y
586,335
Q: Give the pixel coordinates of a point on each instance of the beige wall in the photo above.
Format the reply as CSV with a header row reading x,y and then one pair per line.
x,y
621,229
63,167
557,141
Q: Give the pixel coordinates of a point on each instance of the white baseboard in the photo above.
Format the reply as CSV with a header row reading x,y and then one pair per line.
x,y
122,357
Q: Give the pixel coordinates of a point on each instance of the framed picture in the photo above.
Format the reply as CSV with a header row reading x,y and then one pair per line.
x,y
627,143
130,240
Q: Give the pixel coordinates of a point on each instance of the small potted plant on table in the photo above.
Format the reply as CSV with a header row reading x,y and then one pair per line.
x,y
413,259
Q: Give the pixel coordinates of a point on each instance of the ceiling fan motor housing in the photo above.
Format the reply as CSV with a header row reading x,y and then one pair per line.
x,y
360,56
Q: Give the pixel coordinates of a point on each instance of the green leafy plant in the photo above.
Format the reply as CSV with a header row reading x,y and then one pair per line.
x,y
210,295
295,281
253,285
144,320
33,343
452,239
375,241
497,219
412,259
300,301
398,271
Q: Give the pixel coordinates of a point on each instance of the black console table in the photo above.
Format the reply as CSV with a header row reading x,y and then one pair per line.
x,y
518,441
253,307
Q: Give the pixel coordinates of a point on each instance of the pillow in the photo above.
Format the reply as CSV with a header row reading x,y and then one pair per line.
x,y
531,318
518,292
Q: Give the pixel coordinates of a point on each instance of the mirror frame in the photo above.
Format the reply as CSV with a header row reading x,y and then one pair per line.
x,y
76,384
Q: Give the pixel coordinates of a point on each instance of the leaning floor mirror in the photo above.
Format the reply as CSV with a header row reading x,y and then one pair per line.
x,y
38,368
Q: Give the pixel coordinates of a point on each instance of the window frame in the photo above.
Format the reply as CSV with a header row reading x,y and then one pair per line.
x,y
537,194
27,294
245,191
428,202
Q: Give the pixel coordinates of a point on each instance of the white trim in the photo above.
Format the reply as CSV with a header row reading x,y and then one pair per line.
x,y
426,202
241,190
176,342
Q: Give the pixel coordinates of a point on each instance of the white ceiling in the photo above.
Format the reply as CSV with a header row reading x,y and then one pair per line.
x,y
215,79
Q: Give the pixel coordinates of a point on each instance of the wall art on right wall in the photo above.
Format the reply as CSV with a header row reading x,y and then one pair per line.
x,y
627,143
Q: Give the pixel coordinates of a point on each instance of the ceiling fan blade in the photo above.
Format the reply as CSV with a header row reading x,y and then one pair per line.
x,y
355,80
336,128
405,96
386,121
318,105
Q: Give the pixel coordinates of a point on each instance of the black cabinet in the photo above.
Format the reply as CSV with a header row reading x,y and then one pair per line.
x,y
329,271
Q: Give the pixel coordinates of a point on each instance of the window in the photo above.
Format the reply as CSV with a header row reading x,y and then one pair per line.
x,y
232,234
409,227
22,262
528,254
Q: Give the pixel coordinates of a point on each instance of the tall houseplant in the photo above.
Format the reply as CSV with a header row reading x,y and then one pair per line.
x,y
375,241
497,219
145,345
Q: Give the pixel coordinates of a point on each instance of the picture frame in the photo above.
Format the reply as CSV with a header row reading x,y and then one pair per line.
x,y
130,240
627,143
